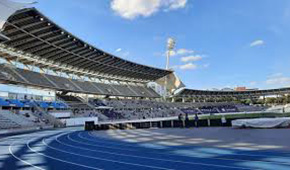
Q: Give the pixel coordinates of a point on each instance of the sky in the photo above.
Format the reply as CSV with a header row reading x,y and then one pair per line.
x,y
219,43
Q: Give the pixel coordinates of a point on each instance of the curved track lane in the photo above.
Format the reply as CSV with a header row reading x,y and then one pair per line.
x,y
74,149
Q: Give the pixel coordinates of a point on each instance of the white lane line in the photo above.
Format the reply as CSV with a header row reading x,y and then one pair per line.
x,y
109,147
36,134
108,160
242,154
25,136
226,159
110,142
157,159
11,152
68,162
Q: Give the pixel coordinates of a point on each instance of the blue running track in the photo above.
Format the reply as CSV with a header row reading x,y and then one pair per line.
x,y
77,150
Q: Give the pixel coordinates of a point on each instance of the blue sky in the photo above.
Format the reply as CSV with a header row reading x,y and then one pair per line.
x,y
219,43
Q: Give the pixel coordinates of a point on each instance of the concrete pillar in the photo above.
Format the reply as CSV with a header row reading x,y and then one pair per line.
x,y
172,123
161,124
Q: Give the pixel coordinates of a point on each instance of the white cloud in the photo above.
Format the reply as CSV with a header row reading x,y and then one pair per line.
x,y
257,43
191,58
174,4
118,50
189,66
131,9
184,51
181,51
177,4
278,79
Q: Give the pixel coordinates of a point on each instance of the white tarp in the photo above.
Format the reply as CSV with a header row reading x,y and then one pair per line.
x,y
7,8
262,123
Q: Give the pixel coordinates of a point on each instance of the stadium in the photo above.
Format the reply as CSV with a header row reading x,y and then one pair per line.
x,y
66,104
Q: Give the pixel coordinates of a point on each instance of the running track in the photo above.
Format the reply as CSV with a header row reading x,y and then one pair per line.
x,y
74,149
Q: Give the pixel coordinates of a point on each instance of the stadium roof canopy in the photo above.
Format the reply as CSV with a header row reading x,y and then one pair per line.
x,y
205,93
30,32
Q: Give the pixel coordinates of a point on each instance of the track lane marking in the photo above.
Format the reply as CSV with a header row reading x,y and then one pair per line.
x,y
25,136
167,160
68,162
109,160
254,155
226,159
19,159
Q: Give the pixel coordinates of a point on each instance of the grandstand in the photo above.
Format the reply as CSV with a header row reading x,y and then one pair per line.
x,y
52,79
84,81
199,95
40,54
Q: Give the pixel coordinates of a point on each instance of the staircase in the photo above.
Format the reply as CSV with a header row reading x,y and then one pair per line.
x,y
100,116
42,114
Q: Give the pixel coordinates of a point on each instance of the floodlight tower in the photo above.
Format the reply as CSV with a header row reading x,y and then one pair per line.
x,y
170,47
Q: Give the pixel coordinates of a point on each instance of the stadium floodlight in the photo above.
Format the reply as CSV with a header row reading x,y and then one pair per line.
x,y
170,47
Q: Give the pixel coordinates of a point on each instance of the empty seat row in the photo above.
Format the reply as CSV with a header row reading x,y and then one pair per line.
x,y
11,73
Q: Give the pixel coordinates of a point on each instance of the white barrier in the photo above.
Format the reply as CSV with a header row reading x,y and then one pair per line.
x,y
79,121
60,114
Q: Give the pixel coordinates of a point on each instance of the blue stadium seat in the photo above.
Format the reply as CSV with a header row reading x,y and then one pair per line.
x,y
27,103
16,103
4,102
42,104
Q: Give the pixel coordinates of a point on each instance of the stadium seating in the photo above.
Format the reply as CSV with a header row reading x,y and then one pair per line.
x,y
6,123
16,103
250,108
34,77
62,83
12,73
80,108
12,120
141,109
73,101
4,102
86,86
